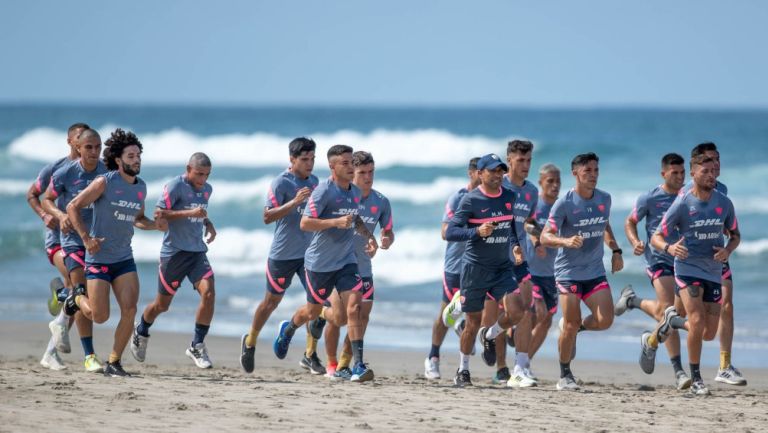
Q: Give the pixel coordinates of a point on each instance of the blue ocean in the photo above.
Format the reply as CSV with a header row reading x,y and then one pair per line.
x,y
421,155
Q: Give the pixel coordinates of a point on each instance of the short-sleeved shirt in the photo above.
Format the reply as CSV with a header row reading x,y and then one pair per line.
x,y
476,208
66,183
573,215
52,236
333,248
540,266
184,234
374,210
114,213
652,206
289,242
525,207
701,224
454,251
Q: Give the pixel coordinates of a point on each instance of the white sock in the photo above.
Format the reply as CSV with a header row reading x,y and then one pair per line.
x,y
463,362
521,360
51,346
493,331
62,318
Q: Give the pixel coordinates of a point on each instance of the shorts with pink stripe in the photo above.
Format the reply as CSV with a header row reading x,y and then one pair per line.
x,y
193,266
74,257
367,289
584,289
280,274
321,284
660,270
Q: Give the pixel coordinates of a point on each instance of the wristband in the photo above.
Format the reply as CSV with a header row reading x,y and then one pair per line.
x,y
618,251
666,248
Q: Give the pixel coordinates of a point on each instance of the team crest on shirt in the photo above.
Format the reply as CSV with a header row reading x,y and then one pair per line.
x,y
374,209
601,207
140,194
508,205
357,199
205,195
719,210
527,196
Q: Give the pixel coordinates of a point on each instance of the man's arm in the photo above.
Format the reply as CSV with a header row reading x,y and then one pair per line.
x,y
272,214
33,199
89,195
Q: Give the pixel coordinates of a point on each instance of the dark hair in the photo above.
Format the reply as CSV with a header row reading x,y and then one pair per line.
x,y
361,157
299,145
583,159
338,149
519,146
702,148
115,145
76,126
199,159
473,163
700,159
672,159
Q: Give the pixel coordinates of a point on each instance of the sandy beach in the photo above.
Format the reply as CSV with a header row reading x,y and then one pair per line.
x,y
168,394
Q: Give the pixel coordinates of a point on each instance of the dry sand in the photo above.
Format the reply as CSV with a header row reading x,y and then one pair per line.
x,y
169,394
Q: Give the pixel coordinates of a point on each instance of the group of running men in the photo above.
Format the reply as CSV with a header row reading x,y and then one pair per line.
x,y
513,255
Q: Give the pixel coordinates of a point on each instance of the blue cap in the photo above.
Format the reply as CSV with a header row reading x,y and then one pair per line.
x,y
490,162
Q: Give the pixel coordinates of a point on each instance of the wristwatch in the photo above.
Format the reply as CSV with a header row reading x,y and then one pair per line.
x,y
618,251
666,248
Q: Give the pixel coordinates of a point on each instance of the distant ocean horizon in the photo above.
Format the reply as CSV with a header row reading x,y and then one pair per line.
x,y
421,155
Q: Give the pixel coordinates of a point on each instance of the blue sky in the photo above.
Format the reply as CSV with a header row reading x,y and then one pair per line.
x,y
537,53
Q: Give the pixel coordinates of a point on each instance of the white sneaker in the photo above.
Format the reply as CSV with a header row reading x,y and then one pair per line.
x,y
452,311
139,346
432,368
520,379
199,354
567,383
60,335
731,376
531,374
51,360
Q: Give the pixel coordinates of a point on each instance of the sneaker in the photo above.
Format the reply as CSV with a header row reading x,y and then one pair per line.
x,y
432,368
458,328
342,374
246,355
199,354
698,388
502,376
70,306
622,305
561,325
282,341
520,379
452,311
60,335
567,383
664,326
682,380
531,374
330,371
361,373
115,369
312,364
316,328
139,345
511,337
489,347
93,364
647,354
731,376
54,306
51,360
462,379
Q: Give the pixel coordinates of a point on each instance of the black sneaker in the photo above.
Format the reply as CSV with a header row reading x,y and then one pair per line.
x,y
312,364
316,328
246,355
511,337
70,306
489,348
115,369
502,376
462,379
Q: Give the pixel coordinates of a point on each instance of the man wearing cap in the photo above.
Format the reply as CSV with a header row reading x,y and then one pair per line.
x,y
485,221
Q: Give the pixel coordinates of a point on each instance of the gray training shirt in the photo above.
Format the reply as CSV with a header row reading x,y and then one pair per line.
x,y
184,234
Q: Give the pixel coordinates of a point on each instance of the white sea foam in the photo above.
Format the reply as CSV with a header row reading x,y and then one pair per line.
x,y
752,248
426,147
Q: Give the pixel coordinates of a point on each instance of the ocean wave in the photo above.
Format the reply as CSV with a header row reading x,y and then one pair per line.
x,y
752,248
419,148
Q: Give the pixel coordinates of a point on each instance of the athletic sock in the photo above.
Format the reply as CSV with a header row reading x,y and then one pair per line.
x,y
291,329
250,340
62,319
521,360
357,351
725,359
200,332
143,328
493,331
565,369
434,352
677,322
677,364
322,312
51,346
114,357
463,362
344,360
695,372
311,346
634,302
87,343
